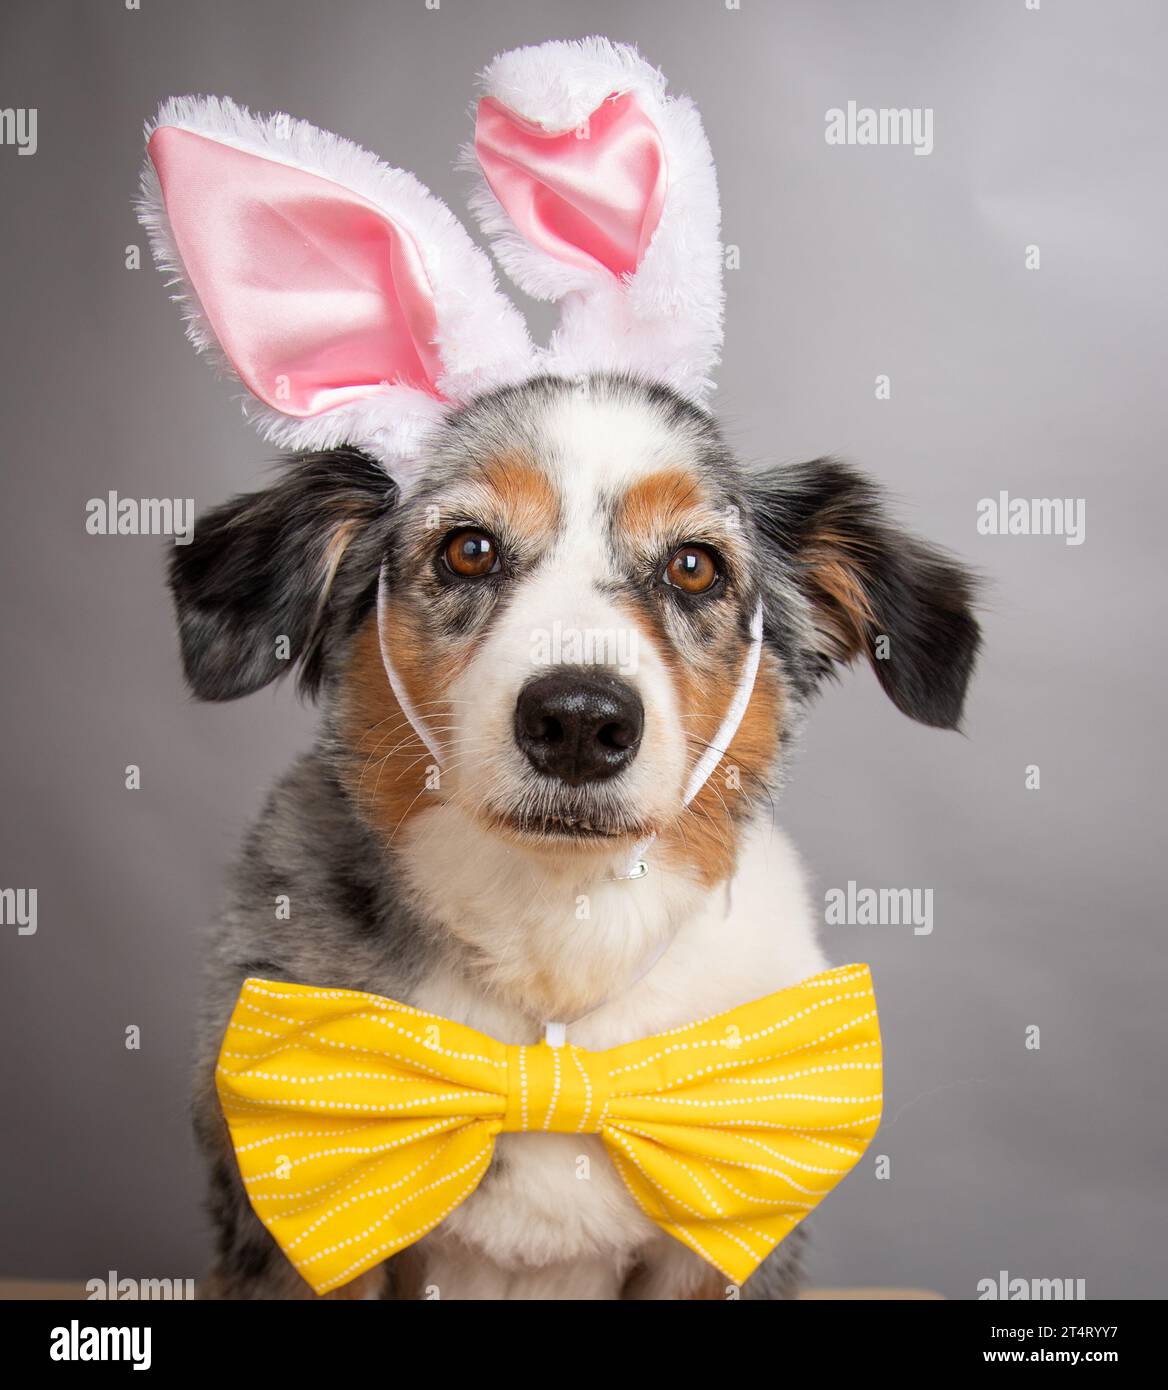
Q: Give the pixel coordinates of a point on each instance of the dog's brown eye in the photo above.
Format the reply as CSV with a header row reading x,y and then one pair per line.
x,y
471,554
692,569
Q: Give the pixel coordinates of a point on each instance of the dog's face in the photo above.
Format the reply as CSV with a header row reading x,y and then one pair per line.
x,y
567,606
569,609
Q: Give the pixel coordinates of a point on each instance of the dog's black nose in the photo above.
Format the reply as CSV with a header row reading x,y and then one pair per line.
x,y
579,726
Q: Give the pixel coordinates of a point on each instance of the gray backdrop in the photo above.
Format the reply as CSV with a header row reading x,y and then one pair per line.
x,y
854,262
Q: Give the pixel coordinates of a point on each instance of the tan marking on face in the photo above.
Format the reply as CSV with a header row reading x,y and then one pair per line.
x,y
662,504
706,838
520,491
388,764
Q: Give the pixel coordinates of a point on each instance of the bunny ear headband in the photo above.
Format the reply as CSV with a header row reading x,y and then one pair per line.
x,y
354,307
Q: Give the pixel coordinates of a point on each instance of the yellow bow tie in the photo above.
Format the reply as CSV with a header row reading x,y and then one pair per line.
x,y
360,1123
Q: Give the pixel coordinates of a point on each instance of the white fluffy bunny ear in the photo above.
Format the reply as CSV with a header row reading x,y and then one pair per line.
x,y
347,299
598,190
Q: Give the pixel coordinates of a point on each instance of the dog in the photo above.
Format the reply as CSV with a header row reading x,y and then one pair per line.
x,y
525,607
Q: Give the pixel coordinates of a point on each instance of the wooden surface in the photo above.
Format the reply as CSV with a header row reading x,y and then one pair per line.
x,y
41,1289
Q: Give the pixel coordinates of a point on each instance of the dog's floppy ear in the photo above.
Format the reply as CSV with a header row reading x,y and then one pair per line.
x,y
280,578
873,590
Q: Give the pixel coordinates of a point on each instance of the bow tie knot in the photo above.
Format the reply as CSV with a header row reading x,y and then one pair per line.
x,y
556,1089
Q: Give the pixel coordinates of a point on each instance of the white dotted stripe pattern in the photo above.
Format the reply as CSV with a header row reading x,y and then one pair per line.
x,y
728,1156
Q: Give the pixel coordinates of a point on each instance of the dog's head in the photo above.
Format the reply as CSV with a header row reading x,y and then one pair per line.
x,y
534,584
567,599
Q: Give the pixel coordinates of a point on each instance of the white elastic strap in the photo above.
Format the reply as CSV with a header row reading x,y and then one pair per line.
x,y
733,717
400,694
715,750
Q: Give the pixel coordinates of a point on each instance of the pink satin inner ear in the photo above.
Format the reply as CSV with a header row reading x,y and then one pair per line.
x,y
316,296
587,196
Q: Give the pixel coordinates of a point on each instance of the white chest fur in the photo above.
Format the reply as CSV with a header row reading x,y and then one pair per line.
x,y
557,1198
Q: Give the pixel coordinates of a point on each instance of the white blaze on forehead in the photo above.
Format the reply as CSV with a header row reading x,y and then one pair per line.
x,y
595,448
596,444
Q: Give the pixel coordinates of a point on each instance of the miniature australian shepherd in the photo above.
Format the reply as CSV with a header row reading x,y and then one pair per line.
x,y
545,562
611,509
